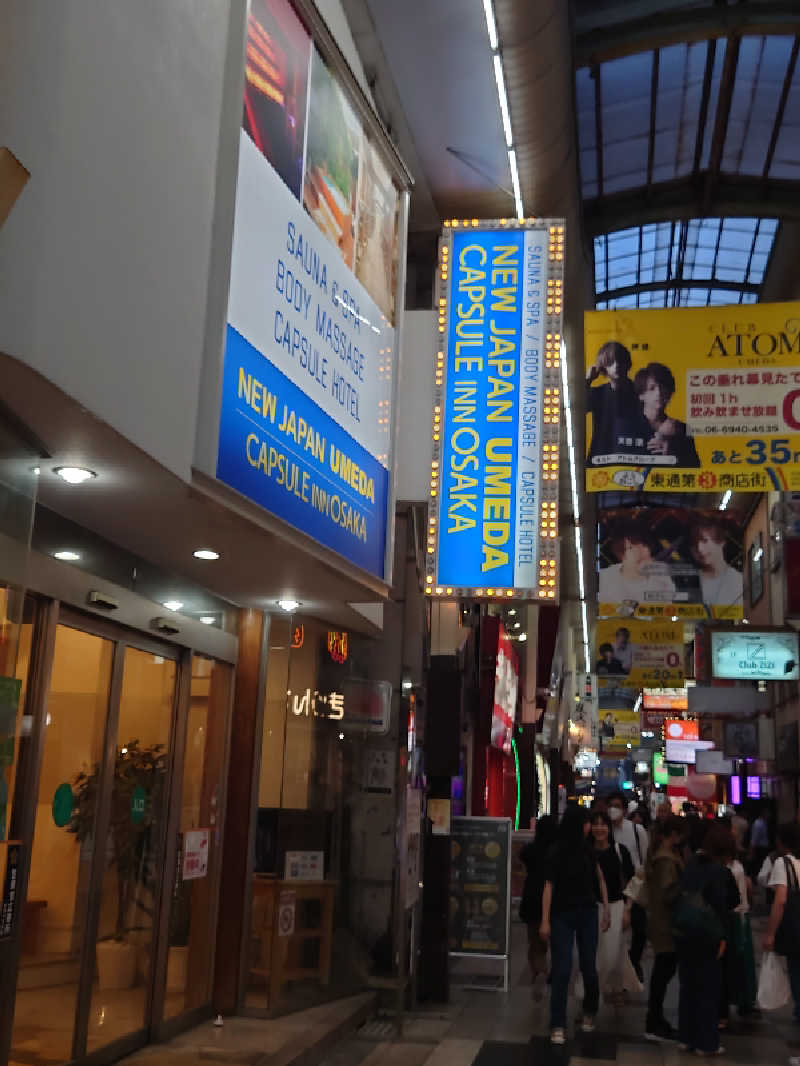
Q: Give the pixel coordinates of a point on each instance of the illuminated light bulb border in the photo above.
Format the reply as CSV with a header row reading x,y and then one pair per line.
x,y
546,587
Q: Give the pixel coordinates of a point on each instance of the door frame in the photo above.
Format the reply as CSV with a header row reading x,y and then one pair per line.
x,y
49,615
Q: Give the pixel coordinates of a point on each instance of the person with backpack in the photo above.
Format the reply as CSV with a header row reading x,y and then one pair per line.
x,y
573,887
662,885
634,838
783,926
533,857
708,895
614,969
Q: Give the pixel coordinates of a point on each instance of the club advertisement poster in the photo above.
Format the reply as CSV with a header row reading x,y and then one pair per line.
x,y
693,399
660,562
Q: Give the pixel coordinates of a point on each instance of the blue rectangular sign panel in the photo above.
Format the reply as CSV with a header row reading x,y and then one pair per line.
x,y
281,450
490,455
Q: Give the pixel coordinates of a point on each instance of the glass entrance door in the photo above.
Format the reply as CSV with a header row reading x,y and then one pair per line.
x,y
90,918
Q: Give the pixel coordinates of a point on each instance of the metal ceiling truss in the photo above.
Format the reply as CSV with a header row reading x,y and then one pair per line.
x,y
659,28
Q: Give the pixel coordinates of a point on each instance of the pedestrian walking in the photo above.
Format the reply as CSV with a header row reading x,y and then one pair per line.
x,y
614,968
759,841
738,962
533,857
635,839
574,885
700,924
782,936
662,884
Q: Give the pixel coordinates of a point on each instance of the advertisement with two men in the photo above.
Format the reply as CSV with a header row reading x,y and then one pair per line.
x,y
693,399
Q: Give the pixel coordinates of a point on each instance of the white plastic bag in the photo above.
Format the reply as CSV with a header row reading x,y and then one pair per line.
x,y
773,982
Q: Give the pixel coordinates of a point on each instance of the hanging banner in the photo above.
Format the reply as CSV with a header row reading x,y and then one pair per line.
x,y
636,654
506,684
619,730
659,562
494,479
693,399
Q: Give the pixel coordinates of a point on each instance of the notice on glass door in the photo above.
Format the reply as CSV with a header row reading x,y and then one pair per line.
x,y
195,854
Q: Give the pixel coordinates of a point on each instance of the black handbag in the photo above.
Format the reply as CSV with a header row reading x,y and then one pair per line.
x,y
787,937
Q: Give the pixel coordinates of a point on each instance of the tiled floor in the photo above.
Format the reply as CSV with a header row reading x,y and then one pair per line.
x,y
511,1029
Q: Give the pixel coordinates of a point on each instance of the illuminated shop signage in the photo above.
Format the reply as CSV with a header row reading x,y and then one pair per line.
x,y
494,478
693,400
754,655
306,417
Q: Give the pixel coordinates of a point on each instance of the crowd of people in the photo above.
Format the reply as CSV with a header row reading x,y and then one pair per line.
x,y
685,884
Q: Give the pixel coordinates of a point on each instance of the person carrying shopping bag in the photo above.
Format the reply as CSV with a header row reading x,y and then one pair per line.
x,y
614,968
783,927
573,887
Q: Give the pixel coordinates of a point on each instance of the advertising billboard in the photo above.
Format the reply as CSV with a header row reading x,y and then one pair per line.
x,y
660,562
637,654
309,362
493,513
685,751
755,655
693,399
619,729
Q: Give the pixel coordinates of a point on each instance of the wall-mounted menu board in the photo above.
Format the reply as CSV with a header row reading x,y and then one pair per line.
x,y
480,871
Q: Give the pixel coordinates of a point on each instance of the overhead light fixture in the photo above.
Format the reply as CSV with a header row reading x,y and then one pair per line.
x,y
173,605
523,637
288,605
512,612
502,99
518,625
67,556
36,471
674,618
206,553
207,619
726,499
74,475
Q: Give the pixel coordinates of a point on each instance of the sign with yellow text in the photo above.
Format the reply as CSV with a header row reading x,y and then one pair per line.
x,y
637,654
494,478
693,399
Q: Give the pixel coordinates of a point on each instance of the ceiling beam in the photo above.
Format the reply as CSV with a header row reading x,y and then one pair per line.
x,y
720,132
685,198
658,29
682,283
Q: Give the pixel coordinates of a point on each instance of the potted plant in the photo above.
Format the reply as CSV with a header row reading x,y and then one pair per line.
x,y
131,850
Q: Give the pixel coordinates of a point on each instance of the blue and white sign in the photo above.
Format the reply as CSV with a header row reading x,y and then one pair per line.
x,y
305,428
491,502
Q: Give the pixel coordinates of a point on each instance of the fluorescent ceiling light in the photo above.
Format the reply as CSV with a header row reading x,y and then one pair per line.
x,y
288,605
491,25
74,475
512,162
67,556
501,96
205,553
173,605
207,619
726,499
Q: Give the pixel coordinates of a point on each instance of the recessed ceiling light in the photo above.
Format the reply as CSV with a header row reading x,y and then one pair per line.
x,y
173,605
74,475
206,553
207,619
288,605
67,556
36,471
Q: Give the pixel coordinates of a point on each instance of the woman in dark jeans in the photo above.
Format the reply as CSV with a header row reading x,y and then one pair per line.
x,y
533,857
573,888
707,879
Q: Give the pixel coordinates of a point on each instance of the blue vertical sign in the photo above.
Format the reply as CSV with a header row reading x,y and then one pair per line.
x,y
478,514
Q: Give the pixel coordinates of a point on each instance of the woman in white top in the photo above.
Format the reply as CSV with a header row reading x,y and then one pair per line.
x,y
788,839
